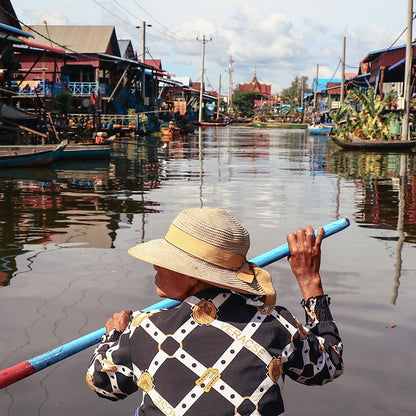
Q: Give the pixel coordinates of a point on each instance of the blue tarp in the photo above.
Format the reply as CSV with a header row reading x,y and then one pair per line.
x,y
14,30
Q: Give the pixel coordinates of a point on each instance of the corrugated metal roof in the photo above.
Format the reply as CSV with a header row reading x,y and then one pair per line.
x,y
81,39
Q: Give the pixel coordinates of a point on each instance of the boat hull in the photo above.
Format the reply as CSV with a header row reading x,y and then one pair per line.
x,y
209,124
28,156
376,145
85,152
319,131
264,125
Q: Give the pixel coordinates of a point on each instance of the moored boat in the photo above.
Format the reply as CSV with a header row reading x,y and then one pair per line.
x,y
26,156
70,152
85,151
211,123
375,145
278,125
319,129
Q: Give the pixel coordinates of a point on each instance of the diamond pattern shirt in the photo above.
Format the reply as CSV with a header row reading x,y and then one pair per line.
x,y
217,354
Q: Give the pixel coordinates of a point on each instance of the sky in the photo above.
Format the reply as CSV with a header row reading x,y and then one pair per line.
x,y
277,39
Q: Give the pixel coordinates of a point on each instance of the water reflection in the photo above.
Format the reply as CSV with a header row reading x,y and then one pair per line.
x,y
86,203
386,190
77,203
272,181
383,182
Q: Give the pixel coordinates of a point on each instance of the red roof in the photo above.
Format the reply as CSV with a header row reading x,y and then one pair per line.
x,y
256,86
155,63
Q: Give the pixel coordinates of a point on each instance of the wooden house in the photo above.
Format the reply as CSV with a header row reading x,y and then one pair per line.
x,y
385,69
99,75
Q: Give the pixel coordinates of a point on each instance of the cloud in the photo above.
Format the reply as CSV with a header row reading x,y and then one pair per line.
x,y
282,39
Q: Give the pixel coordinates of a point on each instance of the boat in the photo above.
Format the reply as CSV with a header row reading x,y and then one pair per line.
x,y
26,156
277,125
319,129
375,145
211,123
85,151
170,132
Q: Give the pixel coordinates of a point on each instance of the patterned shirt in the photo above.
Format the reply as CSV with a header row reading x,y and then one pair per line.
x,y
217,354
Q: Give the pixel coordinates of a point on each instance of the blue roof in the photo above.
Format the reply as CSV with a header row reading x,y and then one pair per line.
x,y
322,83
389,49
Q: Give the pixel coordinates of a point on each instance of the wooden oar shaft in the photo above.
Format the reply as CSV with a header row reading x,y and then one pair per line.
x,y
24,369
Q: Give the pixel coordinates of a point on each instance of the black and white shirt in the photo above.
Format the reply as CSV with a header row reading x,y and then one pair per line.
x,y
217,354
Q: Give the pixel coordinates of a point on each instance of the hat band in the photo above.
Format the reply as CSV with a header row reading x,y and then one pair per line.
x,y
247,271
204,251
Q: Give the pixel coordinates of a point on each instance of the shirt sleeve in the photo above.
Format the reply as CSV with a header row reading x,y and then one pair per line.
x,y
110,373
314,356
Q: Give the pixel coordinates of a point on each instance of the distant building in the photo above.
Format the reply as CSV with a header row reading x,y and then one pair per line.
x,y
256,86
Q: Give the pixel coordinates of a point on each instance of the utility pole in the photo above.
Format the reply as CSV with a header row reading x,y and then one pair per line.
x,y
230,86
343,72
316,87
143,58
301,98
219,98
408,71
201,90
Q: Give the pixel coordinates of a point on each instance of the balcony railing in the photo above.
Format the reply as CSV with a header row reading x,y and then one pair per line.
x,y
107,119
83,88
45,88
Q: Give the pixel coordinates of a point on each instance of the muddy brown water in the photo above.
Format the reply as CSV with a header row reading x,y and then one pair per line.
x,y
64,267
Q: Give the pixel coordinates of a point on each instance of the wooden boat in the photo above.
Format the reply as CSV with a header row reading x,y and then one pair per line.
x,y
211,123
76,152
278,125
171,132
71,152
319,129
375,145
25,156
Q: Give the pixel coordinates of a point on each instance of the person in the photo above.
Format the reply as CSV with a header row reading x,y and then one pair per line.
x,y
227,347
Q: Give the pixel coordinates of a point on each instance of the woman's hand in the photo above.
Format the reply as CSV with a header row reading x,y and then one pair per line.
x,y
119,321
305,260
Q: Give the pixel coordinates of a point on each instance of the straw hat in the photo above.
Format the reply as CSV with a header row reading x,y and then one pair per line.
x,y
209,245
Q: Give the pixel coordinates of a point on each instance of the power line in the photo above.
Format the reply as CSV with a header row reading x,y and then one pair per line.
x,y
162,25
50,39
115,15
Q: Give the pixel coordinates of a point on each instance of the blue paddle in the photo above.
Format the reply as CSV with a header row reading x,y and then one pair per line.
x,y
26,368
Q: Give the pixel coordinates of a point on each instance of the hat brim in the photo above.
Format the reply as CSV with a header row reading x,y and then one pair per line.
x,y
161,253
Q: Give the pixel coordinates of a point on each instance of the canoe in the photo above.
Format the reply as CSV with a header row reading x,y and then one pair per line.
x,y
76,152
375,145
277,125
26,156
170,133
211,123
319,129
71,152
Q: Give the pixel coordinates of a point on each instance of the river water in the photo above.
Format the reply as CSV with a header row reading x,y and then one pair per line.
x,y
64,266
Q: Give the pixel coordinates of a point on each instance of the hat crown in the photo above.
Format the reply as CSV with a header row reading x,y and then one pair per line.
x,y
216,227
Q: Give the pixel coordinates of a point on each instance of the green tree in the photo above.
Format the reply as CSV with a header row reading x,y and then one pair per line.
x,y
243,102
294,93
63,103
